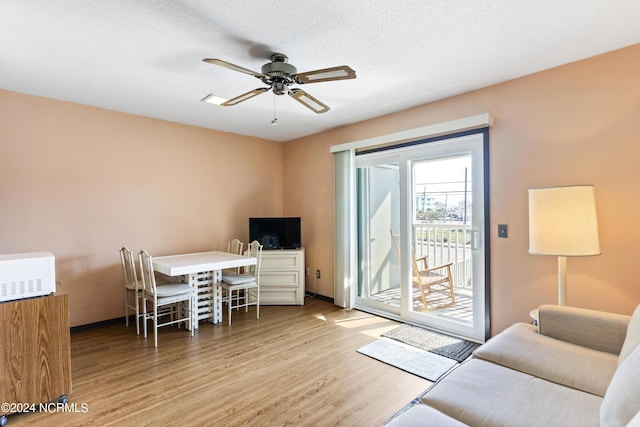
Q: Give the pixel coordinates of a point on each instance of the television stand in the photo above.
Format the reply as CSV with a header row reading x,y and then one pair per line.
x,y
282,277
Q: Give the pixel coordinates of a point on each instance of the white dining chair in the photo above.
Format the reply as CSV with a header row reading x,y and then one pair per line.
x,y
177,301
234,247
243,290
132,287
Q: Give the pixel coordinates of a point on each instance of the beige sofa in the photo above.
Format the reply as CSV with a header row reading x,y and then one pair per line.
x,y
577,368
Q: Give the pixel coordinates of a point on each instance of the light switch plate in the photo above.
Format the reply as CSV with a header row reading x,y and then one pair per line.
x,y
503,231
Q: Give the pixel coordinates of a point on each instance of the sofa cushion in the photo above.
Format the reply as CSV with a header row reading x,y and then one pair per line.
x,y
522,348
423,415
622,400
481,393
635,422
632,339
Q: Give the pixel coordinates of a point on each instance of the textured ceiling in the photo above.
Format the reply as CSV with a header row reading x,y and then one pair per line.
x,y
145,56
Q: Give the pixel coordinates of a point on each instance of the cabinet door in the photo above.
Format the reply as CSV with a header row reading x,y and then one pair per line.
x,y
35,350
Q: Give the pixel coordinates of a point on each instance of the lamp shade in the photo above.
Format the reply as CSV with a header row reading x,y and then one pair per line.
x,y
563,221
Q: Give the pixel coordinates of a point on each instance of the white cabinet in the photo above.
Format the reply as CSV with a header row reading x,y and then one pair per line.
x,y
282,277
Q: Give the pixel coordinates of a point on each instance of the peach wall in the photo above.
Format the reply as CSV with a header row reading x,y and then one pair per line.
x,y
309,195
82,182
575,124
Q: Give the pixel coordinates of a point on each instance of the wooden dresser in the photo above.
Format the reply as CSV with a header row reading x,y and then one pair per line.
x,y
35,350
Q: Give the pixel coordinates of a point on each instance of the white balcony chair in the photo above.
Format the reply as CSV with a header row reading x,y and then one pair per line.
x,y
177,301
248,283
132,286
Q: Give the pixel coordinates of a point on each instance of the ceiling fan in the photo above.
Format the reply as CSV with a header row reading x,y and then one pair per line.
x,y
279,75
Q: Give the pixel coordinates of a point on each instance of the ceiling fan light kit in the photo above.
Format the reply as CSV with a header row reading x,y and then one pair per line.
x,y
213,99
279,75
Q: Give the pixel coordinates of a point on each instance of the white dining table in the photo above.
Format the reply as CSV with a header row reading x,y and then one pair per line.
x,y
203,270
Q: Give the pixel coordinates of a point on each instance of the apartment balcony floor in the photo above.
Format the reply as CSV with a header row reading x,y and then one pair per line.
x,y
461,310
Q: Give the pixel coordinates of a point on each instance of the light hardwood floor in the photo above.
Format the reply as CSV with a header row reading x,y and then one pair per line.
x,y
296,365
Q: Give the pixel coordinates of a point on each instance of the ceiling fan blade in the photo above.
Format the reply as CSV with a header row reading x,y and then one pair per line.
x,y
308,101
244,97
342,72
233,67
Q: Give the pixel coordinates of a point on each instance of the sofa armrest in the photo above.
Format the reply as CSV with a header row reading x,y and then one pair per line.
x,y
598,330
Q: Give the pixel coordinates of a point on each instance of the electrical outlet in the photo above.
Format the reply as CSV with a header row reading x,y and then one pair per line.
x,y
317,274
308,271
503,231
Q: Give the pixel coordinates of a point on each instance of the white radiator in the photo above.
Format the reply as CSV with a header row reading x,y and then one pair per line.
x,y
27,275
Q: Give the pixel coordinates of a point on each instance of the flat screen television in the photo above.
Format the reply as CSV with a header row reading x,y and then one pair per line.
x,y
276,233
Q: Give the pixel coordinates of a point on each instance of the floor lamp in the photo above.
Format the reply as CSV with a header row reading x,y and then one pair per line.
x,y
563,222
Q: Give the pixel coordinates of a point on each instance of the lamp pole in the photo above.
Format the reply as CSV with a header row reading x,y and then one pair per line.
x,y
562,280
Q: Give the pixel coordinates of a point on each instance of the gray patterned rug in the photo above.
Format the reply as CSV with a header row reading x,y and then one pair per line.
x,y
443,345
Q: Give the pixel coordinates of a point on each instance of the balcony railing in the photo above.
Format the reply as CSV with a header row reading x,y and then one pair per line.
x,y
443,243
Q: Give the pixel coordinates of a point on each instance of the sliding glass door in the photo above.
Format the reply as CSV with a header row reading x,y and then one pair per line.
x,y
378,183
421,234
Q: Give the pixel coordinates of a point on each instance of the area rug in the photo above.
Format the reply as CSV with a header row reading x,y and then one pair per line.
x,y
444,345
418,362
